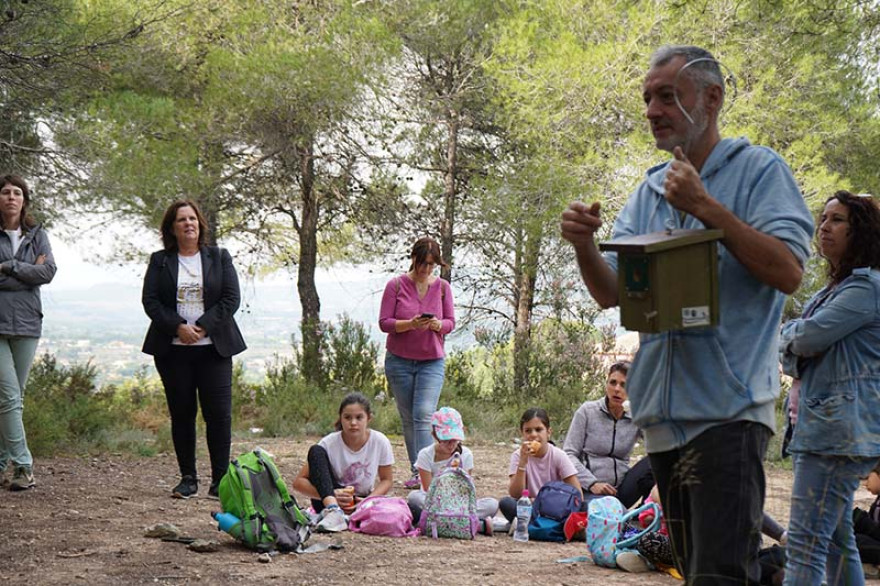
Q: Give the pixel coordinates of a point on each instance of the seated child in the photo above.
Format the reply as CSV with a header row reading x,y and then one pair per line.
x,y
448,432
867,526
656,548
346,466
536,462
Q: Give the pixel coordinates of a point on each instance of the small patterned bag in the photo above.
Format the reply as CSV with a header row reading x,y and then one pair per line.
x,y
606,520
451,506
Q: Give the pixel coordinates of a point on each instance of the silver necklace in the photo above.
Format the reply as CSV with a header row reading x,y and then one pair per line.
x,y
186,269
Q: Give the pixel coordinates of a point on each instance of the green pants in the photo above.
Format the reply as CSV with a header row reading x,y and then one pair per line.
x,y
16,356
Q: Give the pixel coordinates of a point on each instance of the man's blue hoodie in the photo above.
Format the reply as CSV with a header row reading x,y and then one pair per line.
x,y
684,382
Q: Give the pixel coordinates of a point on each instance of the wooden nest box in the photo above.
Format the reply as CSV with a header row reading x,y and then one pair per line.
x,y
667,280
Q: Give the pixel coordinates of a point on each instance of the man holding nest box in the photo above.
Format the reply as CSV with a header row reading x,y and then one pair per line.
x,y
704,382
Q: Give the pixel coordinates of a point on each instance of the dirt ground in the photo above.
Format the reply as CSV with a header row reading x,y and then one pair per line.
x,y
84,524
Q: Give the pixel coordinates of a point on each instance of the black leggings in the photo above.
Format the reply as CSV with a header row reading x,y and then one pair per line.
x,y
635,487
637,483
193,376
321,476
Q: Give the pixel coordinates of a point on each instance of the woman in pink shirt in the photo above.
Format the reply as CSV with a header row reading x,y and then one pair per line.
x,y
417,313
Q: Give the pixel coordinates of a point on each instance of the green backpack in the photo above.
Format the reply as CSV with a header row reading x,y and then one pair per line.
x,y
253,491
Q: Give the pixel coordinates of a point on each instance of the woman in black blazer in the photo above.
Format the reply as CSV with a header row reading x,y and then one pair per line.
x,y
190,294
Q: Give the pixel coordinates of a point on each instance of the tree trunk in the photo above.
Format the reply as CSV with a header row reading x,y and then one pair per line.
x,y
208,200
447,235
308,259
209,211
525,301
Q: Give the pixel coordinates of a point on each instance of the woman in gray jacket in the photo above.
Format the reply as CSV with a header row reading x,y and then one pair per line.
x,y
26,262
600,440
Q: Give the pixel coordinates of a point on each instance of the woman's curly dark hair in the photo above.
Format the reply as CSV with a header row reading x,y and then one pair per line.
x,y
864,228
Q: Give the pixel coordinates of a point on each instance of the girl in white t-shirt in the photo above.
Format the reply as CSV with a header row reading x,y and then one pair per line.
x,y
346,466
536,462
447,430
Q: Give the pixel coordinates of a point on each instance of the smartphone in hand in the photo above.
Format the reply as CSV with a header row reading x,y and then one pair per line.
x,y
427,315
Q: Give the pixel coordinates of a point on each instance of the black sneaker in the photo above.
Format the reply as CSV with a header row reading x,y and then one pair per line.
x,y
214,489
189,486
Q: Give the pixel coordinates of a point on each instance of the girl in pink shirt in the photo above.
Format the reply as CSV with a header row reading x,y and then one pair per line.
x,y
536,462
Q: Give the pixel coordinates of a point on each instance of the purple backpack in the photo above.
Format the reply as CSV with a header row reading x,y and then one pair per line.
x,y
383,515
451,506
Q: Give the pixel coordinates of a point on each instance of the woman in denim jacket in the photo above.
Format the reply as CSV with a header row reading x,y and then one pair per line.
x,y
834,349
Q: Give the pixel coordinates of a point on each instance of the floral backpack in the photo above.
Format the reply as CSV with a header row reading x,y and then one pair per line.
x,y
606,521
383,515
451,506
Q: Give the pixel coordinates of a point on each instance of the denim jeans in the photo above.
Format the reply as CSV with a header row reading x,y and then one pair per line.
x,y
712,493
416,385
16,356
821,520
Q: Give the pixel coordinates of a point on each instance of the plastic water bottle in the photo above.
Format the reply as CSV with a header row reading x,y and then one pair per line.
x,y
228,522
523,514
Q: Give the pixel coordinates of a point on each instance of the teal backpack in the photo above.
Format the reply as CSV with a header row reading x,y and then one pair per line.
x,y
268,519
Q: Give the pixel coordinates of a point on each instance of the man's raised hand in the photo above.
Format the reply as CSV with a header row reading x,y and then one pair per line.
x,y
683,186
579,222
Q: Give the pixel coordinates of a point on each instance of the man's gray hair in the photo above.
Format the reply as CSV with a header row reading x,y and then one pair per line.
x,y
705,70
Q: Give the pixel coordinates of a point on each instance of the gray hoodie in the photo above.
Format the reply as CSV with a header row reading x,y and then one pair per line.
x,y
598,445
21,312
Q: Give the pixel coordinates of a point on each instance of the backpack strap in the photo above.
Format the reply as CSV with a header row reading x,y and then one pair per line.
x,y
251,521
654,526
296,515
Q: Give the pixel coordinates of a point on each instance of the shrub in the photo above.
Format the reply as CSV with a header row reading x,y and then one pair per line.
x,y
64,411
348,359
62,407
245,410
351,357
289,405
564,371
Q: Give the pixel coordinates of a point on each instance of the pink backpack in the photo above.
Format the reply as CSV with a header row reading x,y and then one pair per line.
x,y
383,515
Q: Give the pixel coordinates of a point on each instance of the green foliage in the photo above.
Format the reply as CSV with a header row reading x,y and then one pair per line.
x,y
290,405
244,398
62,407
51,50
351,357
566,368
65,412
348,361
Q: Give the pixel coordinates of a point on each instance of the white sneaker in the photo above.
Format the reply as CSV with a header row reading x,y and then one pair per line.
x,y
500,526
871,571
332,521
631,561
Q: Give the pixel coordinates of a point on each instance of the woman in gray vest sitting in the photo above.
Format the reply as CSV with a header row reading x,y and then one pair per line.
x,y
600,440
